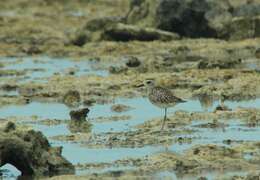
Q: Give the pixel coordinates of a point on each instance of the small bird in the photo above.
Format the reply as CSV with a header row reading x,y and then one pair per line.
x,y
161,97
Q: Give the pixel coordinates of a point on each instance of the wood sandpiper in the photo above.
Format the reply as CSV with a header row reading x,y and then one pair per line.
x,y
161,97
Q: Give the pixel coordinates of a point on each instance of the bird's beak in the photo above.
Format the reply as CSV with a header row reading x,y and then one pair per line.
x,y
139,85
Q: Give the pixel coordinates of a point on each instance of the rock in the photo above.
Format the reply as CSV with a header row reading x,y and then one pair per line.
x,y
123,32
79,115
78,121
203,18
133,62
31,153
80,38
71,71
120,108
222,108
71,98
191,18
92,31
10,126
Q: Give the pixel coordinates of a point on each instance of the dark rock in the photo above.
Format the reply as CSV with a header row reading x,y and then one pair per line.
x,y
123,32
78,121
80,38
191,18
72,98
31,153
9,127
196,18
227,141
79,115
222,108
133,62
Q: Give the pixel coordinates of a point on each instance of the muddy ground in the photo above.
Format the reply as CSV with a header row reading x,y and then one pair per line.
x,y
214,136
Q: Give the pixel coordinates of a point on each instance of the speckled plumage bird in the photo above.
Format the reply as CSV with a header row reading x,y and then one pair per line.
x,y
161,97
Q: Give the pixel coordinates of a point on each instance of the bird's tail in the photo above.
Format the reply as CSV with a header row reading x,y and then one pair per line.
x,y
182,101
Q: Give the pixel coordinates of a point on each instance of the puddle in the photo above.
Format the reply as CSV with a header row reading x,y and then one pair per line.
x,y
77,154
41,68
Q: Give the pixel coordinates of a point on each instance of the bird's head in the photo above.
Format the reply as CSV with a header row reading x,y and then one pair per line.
x,y
149,83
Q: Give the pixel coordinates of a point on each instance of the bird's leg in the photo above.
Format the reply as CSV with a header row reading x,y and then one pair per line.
x,y
165,117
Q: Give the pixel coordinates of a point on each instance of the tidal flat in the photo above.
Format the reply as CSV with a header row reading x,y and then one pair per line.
x,y
58,58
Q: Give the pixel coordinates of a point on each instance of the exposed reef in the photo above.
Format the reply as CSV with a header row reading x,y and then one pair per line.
x,y
31,153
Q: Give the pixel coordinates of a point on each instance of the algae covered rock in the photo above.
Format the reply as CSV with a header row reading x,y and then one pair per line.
x,y
80,38
71,98
132,61
78,121
79,115
31,153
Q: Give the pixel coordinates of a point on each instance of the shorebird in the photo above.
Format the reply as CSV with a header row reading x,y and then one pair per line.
x,y
161,97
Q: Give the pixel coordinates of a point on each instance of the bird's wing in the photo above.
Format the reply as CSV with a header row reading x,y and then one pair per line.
x,y
166,96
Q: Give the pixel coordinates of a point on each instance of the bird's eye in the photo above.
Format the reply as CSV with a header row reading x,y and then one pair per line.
x,y
149,82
